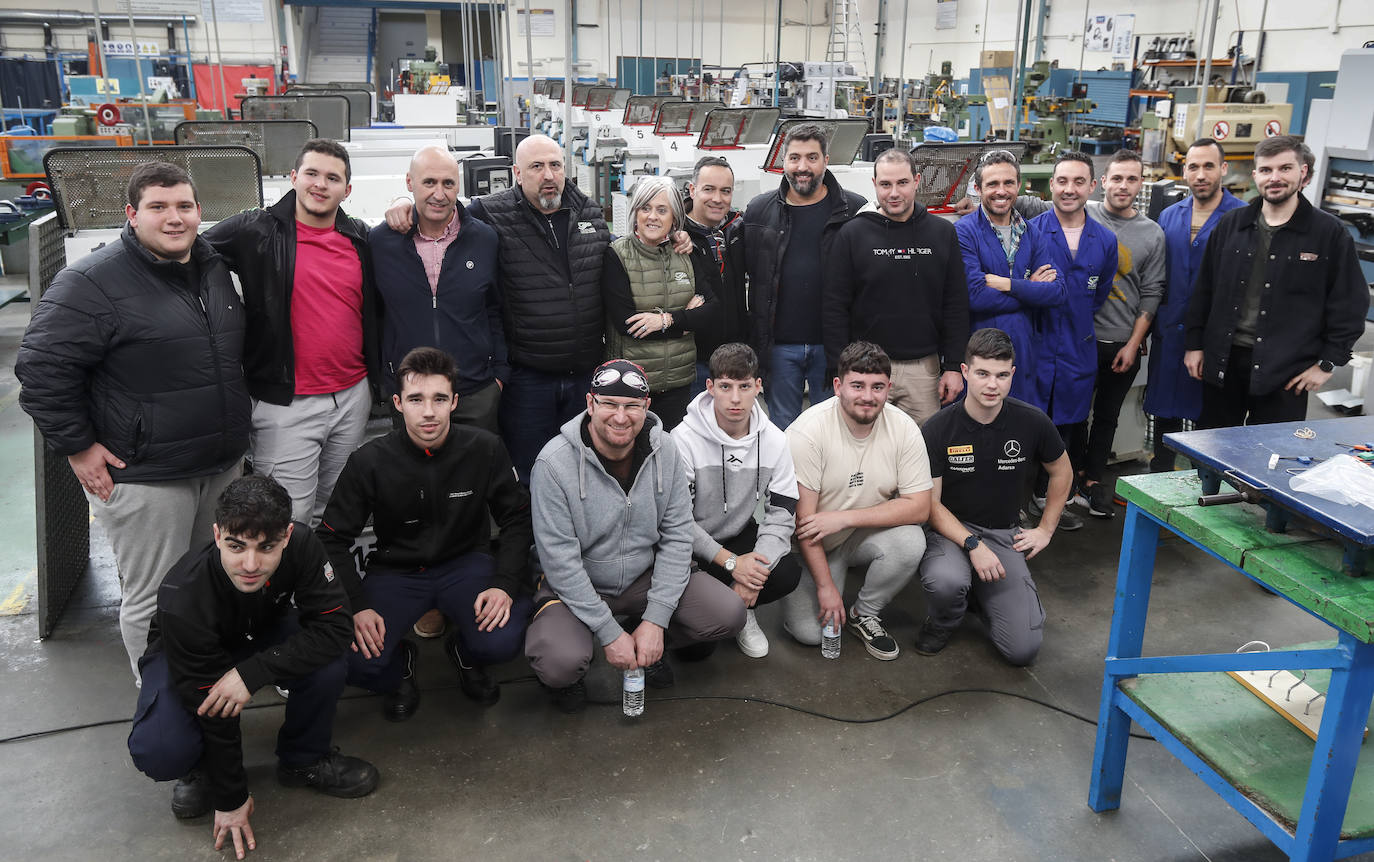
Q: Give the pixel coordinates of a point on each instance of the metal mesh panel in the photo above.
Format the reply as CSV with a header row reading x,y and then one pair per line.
x,y
88,185
60,509
846,136
945,169
359,101
277,142
329,112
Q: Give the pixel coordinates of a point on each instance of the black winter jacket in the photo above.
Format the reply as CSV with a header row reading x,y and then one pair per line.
x,y
123,351
427,507
725,278
1314,310
899,285
767,221
554,318
207,627
260,247
464,318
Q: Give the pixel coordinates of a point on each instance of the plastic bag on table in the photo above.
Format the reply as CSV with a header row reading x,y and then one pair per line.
x,y
1341,479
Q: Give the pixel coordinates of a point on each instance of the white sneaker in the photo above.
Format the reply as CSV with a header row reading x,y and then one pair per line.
x,y
751,639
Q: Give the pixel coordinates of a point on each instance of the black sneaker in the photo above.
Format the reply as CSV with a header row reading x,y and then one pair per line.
x,y
1100,501
402,703
877,641
334,774
659,674
191,796
473,679
570,699
699,651
930,640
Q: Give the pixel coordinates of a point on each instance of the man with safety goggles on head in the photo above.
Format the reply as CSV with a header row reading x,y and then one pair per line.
x,y
613,526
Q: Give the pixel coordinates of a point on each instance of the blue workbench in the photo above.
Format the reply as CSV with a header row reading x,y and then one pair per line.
x,y
1177,698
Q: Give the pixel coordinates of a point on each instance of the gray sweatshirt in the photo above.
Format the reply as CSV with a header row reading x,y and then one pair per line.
x,y
594,539
729,478
1141,267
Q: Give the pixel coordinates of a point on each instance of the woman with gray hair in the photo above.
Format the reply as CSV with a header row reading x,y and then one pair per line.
x,y
655,298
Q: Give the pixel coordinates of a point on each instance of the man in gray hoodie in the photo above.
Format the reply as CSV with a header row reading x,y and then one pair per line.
x,y
613,527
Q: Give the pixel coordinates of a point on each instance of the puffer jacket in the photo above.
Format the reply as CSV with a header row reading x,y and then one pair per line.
x,y
554,318
123,351
260,247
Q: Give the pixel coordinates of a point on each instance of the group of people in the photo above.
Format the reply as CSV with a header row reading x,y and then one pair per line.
x,y
578,455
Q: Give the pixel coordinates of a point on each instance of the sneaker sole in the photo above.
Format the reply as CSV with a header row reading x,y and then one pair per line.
x,y
1096,514
880,655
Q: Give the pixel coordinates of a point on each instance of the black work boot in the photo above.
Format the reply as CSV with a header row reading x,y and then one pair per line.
x,y
402,703
191,796
334,774
476,683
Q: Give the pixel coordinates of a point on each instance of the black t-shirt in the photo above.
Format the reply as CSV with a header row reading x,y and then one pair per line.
x,y
983,467
798,316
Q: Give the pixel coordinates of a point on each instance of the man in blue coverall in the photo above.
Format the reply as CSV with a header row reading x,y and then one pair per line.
x,y
1083,252
1172,395
1006,263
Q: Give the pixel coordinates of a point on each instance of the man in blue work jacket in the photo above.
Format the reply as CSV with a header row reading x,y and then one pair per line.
x,y
1171,394
1083,252
1007,266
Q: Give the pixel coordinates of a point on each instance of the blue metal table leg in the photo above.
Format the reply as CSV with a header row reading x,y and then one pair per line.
x,y
1336,756
1133,577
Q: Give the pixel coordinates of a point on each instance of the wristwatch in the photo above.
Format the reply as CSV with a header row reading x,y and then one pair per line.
x,y
730,564
1326,365
972,542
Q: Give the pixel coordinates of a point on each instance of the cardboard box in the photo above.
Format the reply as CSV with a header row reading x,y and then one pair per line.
x,y
996,59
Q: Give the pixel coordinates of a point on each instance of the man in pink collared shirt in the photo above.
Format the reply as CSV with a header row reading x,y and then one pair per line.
x,y
438,283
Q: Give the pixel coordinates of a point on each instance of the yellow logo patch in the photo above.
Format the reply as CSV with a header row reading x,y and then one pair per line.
x,y
960,450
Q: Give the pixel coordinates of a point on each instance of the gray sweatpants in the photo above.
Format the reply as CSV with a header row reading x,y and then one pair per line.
x,y
560,647
150,526
1011,605
891,554
305,444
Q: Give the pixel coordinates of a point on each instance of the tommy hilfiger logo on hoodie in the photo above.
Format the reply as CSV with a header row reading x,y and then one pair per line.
x,y
901,253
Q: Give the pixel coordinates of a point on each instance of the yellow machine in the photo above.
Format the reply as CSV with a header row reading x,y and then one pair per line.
x,y
1231,118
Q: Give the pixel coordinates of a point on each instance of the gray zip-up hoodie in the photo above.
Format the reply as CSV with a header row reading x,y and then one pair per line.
x,y
729,477
595,540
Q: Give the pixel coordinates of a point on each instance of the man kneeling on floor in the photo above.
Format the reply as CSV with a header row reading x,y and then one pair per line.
x,y
863,490
261,605
982,452
613,527
734,459
428,488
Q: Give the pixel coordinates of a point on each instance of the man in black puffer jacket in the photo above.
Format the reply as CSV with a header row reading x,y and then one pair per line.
x,y
553,238
717,233
132,367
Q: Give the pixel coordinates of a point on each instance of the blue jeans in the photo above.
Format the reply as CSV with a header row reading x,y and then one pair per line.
x,y
793,366
452,586
699,385
534,405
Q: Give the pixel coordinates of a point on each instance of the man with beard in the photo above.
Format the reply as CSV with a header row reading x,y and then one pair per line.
x,y
1279,300
863,490
787,236
717,234
311,342
1007,265
1172,394
895,277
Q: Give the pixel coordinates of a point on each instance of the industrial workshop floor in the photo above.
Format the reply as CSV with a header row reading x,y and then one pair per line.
x,y
744,759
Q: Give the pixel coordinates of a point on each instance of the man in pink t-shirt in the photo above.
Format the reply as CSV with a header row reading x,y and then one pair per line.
x,y
311,342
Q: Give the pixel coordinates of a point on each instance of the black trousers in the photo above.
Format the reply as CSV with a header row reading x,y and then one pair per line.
x,y
1164,458
1110,393
1233,404
781,581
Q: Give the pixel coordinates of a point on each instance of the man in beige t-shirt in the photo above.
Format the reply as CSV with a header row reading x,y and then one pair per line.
x,y
863,490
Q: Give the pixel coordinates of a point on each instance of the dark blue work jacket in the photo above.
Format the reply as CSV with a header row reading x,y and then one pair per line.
x,y
1171,392
1016,312
1066,365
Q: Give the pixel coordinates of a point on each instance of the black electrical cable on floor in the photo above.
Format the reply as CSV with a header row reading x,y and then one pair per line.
x,y
37,734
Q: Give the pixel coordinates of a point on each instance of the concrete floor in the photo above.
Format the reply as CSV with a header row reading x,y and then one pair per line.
x,y
709,773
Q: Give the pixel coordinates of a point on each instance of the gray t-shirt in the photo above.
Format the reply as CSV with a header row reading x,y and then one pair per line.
x,y
1140,273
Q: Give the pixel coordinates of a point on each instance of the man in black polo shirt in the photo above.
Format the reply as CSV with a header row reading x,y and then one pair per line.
x,y
982,450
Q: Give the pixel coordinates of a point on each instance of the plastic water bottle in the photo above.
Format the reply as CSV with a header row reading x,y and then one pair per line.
x,y
632,695
830,641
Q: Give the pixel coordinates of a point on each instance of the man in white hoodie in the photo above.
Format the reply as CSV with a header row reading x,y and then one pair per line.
x,y
735,458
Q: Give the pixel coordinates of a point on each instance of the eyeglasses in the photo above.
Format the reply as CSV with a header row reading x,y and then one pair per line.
x,y
632,408
632,379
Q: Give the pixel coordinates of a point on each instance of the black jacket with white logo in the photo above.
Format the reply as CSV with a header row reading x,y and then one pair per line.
x,y
899,285
428,506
